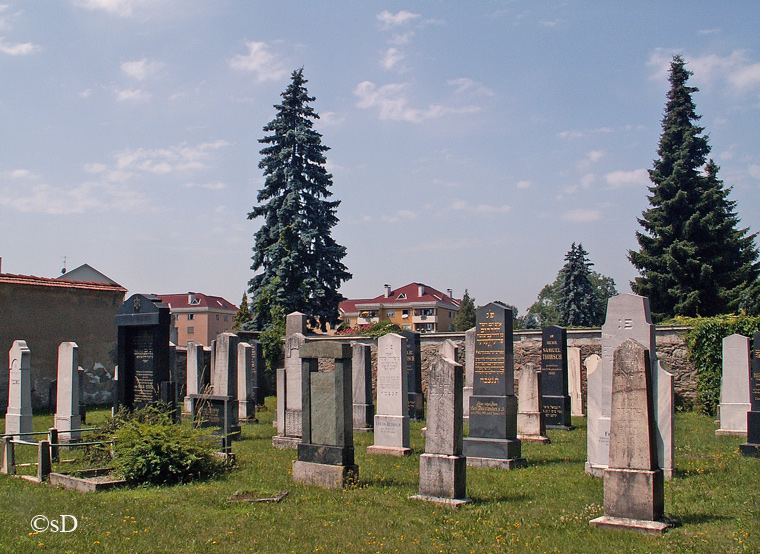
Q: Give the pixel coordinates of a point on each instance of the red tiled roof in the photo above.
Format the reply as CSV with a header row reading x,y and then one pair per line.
x,y
32,280
403,295
180,301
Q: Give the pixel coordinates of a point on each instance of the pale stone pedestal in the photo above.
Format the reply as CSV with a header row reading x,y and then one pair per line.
x,y
388,450
325,475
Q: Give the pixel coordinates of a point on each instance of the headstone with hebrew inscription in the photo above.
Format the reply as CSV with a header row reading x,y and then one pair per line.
x,y
752,446
628,316
361,369
734,386
443,468
326,452
392,416
68,420
634,489
144,328
554,377
18,417
493,438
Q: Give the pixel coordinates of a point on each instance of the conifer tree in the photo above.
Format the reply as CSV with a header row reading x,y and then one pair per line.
x,y
243,314
692,258
465,318
578,303
298,262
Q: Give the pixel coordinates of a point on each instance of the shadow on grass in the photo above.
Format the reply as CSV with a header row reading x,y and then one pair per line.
x,y
385,482
552,461
498,499
697,519
686,473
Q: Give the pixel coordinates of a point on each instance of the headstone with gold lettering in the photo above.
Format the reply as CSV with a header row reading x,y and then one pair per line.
x,y
752,446
554,388
493,438
144,327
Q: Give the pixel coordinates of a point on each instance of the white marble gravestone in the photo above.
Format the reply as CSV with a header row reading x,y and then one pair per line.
x,y
246,401
68,420
18,418
225,376
734,386
469,371
392,416
574,381
294,339
531,420
628,316
195,383
361,372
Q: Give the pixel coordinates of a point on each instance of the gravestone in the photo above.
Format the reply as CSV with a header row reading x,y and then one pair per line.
x,y
144,326
414,375
392,417
752,446
493,438
469,371
198,374
443,468
634,490
574,381
279,419
224,379
361,370
295,336
219,413
246,401
18,417
259,366
734,386
628,316
326,453
554,387
531,419
68,420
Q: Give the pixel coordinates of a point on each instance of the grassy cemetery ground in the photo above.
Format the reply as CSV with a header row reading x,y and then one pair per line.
x,y
542,508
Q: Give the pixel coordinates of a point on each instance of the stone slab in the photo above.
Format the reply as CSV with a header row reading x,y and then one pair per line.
x,y
324,475
446,502
638,525
388,450
491,463
443,476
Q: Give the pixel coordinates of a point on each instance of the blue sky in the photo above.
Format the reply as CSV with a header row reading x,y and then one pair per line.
x,y
471,142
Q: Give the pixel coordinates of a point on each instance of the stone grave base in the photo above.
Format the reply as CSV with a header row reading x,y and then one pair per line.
x,y
561,427
637,494
363,429
388,450
324,475
485,463
730,433
749,449
285,442
543,439
639,525
87,480
443,476
595,471
499,449
447,502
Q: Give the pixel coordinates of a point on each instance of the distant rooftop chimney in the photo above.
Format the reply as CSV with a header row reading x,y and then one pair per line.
x,y
387,290
450,293
420,290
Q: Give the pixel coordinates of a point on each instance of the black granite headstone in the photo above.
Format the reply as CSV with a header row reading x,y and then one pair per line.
x,y
752,446
493,405
554,378
219,413
144,326
414,374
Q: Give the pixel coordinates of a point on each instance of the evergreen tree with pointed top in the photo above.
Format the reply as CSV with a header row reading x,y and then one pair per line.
x,y
693,259
465,318
578,304
298,262
243,314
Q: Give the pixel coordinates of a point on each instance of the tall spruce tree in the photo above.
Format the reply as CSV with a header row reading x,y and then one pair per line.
x,y
578,303
299,261
465,318
243,314
692,257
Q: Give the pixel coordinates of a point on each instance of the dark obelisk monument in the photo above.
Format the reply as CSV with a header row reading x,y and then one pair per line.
x,y
554,392
493,438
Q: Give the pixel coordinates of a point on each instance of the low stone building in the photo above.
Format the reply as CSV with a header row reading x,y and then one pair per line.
x,y
46,312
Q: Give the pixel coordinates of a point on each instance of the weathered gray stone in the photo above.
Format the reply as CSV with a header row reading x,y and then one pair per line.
x,y
363,408
324,475
392,416
531,420
225,377
633,482
575,381
469,371
293,344
295,323
734,386
68,420
18,418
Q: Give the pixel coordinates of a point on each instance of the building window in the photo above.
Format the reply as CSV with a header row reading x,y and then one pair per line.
x,y
407,326
226,318
425,327
424,311
217,317
404,313
190,317
390,313
190,330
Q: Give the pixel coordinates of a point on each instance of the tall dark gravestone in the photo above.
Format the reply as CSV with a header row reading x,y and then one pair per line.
x,y
752,446
414,374
144,326
493,438
554,387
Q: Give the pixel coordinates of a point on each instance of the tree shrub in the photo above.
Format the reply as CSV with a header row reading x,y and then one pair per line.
x,y
705,343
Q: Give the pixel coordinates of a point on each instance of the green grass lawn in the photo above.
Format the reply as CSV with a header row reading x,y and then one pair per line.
x,y
542,508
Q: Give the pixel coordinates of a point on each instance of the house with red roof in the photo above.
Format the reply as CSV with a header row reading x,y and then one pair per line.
x,y
416,307
199,317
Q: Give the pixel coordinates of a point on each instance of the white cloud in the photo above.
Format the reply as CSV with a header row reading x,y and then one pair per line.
x,y
736,71
140,69
18,49
524,184
465,84
260,61
52,200
463,206
179,158
591,158
582,215
393,56
392,103
388,19
121,8
19,174
208,186
754,171
132,95
579,133
620,179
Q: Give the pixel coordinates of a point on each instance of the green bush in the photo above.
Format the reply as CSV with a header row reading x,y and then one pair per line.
x,y
705,343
